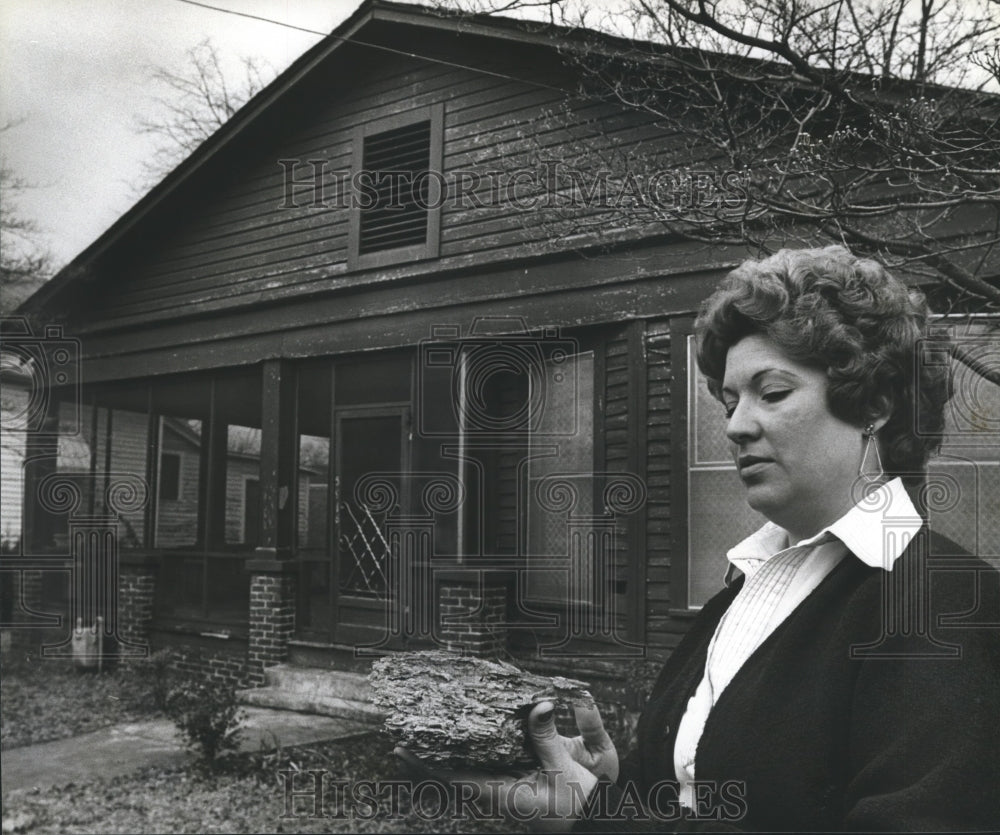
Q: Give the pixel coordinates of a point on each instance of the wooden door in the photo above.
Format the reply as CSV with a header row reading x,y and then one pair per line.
x,y
372,456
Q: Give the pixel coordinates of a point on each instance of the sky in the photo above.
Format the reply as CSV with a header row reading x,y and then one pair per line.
x,y
76,77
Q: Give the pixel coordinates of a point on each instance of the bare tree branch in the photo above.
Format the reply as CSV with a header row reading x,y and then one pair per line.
x,y
25,261
811,120
199,98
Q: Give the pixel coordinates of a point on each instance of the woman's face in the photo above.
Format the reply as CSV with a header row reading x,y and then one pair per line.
x,y
797,461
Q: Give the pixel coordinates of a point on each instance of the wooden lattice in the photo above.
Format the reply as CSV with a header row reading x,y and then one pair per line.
x,y
364,540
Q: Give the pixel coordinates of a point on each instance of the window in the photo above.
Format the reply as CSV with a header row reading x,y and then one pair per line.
x,y
242,514
209,426
120,434
710,510
170,476
516,410
313,612
399,188
182,407
963,480
566,427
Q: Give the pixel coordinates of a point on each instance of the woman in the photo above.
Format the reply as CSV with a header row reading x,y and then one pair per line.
x,y
820,690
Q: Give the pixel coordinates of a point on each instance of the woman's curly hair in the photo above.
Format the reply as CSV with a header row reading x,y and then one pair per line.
x,y
830,309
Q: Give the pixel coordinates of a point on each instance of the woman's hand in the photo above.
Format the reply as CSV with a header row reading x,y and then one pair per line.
x,y
551,797
593,748
571,767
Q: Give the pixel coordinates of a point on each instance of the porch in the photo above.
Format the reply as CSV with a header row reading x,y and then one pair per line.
x,y
453,493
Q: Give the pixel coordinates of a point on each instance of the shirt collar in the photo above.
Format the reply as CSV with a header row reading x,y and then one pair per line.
x,y
876,530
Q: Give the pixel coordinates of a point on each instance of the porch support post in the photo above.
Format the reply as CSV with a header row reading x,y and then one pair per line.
x,y
136,595
278,456
39,523
472,612
272,616
272,572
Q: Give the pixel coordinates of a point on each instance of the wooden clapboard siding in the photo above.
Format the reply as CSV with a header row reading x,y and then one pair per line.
x,y
302,525
637,283
230,244
689,266
20,411
632,266
239,470
127,459
11,488
15,402
177,519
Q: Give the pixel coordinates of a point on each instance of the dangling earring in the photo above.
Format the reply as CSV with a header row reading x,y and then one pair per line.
x,y
871,444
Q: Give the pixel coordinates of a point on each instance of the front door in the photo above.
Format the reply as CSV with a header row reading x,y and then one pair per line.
x,y
372,453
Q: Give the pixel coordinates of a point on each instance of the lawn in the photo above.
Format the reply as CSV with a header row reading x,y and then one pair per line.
x,y
246,795
44,700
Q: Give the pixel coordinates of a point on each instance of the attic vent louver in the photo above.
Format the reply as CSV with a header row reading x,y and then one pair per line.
x,y
396,161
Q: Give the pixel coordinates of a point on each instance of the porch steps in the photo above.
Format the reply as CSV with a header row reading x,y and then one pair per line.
x,y
315,690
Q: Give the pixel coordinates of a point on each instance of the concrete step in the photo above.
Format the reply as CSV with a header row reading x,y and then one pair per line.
x,y
315,690
316,680
279,699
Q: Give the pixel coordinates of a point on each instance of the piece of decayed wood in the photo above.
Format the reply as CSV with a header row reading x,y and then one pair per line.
x,y
458,711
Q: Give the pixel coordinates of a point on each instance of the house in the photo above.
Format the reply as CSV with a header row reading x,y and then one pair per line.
x,y
14,398
123,446
507,444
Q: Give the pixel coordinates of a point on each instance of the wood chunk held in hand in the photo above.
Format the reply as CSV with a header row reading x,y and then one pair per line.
x,y
458,711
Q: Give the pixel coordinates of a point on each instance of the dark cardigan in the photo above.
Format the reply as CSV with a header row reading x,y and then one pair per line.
x,y
865,709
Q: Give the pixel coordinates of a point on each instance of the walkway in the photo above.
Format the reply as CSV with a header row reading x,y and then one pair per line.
x,y
122,749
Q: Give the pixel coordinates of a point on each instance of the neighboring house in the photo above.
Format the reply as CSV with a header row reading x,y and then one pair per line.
x,y
502,439
93,459
73,454
13,404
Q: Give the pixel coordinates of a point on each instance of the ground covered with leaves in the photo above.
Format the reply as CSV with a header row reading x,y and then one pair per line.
x,y
245,793
46,699
42,701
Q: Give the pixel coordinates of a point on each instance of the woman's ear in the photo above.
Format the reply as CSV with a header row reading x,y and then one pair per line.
x,y
880,412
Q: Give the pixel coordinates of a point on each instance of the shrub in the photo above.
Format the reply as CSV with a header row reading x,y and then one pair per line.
x,y
207,714
640,676
147,682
